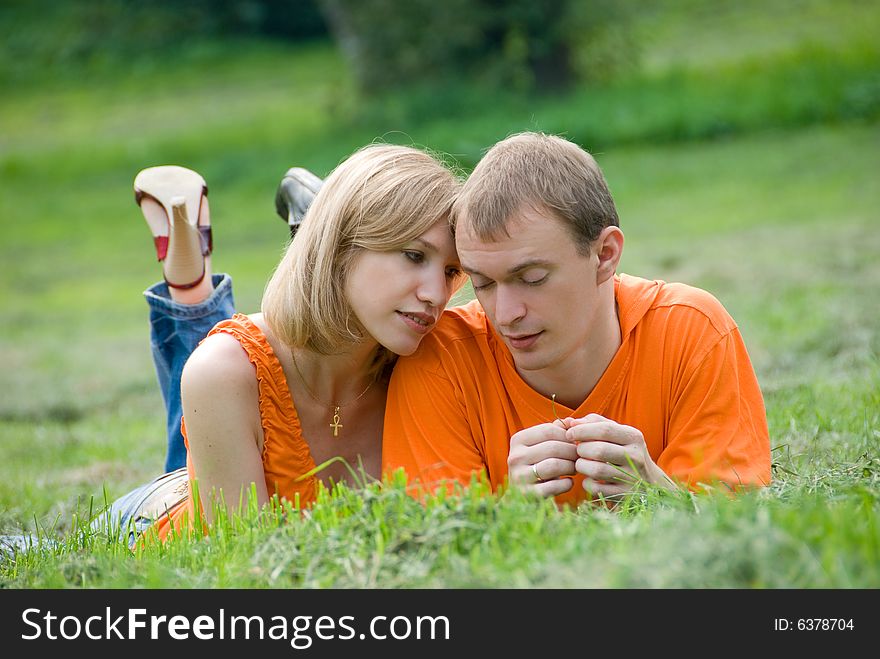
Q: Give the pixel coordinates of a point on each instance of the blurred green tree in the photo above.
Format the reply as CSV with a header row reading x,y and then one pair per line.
x,y
517,45
522,44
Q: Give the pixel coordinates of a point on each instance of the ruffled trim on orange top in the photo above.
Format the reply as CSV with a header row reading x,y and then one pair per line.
x,y
286,455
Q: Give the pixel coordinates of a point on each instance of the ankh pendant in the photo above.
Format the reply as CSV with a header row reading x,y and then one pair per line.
x,y
336,425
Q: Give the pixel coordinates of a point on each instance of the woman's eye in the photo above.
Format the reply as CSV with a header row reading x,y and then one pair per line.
x,y
415,257
453,273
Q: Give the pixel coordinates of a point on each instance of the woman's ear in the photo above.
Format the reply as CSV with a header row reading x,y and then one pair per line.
x,y
608,247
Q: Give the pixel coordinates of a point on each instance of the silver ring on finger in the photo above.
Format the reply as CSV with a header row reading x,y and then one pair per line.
x,y
535,472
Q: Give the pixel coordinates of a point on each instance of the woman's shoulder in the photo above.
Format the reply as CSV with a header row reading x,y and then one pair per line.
x,y
219,358
261,324
220,394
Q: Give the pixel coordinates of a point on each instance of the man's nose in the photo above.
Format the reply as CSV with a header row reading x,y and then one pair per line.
x,y
509,308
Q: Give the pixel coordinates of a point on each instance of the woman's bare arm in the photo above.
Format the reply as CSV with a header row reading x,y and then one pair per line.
x,y
220,399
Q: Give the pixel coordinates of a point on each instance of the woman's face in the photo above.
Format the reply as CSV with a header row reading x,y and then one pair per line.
x,y
399,295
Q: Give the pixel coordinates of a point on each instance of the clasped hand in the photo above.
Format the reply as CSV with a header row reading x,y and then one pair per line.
x,y
611,456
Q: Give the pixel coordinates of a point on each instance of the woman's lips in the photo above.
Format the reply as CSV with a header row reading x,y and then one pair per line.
x,y
421,323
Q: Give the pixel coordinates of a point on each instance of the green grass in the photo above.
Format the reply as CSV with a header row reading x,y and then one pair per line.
x,y
380,537
698,35
746,166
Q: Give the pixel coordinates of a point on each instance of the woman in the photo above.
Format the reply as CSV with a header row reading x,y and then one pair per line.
x,y
268,397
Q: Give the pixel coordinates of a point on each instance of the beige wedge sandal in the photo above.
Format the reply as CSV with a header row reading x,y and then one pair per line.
x,y
174,201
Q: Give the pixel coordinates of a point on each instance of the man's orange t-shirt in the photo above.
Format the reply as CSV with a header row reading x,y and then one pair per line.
x,y
681,376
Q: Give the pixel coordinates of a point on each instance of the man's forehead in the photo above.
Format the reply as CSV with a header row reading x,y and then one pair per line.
x,y
530,240
526,218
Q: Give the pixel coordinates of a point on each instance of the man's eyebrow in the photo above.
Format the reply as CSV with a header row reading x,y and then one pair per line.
x,y
525,265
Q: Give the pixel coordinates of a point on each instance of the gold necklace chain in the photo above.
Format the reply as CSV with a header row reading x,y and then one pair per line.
x,y
336,425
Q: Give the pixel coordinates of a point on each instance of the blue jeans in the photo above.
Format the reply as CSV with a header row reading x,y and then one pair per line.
x,y
133,513
175,331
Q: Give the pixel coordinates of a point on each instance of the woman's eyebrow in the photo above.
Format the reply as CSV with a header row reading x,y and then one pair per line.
x,y
427,244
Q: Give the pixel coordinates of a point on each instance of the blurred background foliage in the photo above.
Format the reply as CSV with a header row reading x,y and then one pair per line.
x,y
520,44
387,43
58,36
699,69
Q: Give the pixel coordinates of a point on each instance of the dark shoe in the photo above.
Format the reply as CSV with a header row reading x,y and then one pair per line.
x,y
295,194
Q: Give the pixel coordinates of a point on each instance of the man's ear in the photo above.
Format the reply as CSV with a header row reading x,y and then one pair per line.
x,y
608,247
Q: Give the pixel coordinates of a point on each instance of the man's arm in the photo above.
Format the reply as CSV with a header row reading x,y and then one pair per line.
x,y
717,432
718,423
427,431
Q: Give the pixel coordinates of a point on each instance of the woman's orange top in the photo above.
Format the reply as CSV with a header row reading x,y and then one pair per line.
x,y
286,456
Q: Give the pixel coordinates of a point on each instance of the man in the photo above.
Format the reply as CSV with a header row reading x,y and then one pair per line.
x,y
570,379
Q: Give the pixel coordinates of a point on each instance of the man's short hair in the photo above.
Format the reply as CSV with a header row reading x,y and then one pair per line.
x,y
545,172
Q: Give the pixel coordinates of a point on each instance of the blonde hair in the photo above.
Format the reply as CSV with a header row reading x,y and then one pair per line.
x,y
379,198
541,171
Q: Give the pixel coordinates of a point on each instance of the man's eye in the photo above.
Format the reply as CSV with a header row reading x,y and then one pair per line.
x,y
535,282
482,287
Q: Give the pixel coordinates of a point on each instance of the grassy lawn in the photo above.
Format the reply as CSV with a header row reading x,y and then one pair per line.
x,y
776,213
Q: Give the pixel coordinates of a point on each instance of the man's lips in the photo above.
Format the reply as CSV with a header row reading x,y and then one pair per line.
x,y
522,341
418,321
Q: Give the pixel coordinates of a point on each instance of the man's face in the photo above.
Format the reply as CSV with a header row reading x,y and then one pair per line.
x,y
540,293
